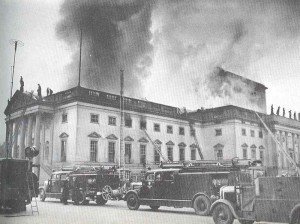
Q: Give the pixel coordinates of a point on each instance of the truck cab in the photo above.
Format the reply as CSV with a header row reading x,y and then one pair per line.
x,y
53,187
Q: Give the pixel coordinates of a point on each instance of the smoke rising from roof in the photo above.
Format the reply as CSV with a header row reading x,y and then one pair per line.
x,y
176,44
116,36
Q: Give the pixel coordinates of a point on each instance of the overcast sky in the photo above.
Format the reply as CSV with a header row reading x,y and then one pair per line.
x,y
168,48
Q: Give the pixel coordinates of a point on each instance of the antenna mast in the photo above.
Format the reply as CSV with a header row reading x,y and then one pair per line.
x,y
121,121
80,46
15,43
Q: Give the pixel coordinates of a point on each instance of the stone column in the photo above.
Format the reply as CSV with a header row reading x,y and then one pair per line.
x,y
294,136
50,159
42,146
298,148
29,131
279,156
285,159
15,138
37,134
22,139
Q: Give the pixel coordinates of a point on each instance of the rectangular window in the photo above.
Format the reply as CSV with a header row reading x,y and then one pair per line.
x,y
219,155
192,132
260,134
64,118
193,154
94,118
181,154
143,154
128,122
181,130
143,125
253,154
218,132
252,133
261,155
170,129
127,153
111,152
245,153
93,151
157,156
63,153
170,153
112,121
157,127
244,132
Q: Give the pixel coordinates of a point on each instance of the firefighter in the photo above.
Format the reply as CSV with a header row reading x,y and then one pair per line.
x,y
65,192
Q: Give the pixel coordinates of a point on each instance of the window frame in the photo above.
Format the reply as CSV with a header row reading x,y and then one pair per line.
x,y
171,155
127,120
129,161
180,155
252,133
193,154
111,143
63,150
112,118
143,156
169,129
157,155
218,132
260,134
95,152
141,125
181,129
91,118
244,132
156,125
64,117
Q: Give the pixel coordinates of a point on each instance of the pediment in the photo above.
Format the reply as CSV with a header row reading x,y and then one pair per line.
x,y
112,137
217,146
144,140
261,147
157,142
182,144
18,101
170,143
94,135
253,146
128,139
63,135
244,145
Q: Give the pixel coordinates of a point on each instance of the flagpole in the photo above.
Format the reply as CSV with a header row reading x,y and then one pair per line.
x,y
80,46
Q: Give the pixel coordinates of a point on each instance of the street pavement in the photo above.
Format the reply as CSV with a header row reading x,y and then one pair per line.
x,y
53,212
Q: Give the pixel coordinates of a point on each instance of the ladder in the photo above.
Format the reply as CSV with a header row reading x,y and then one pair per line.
x,y
32,197
196,141
285,153
156,148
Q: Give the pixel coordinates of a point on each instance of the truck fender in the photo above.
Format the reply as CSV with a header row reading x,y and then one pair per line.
x,y
295,208
226,202
198,194
131,192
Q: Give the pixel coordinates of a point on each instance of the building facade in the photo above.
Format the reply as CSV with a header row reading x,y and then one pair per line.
x,y
82,126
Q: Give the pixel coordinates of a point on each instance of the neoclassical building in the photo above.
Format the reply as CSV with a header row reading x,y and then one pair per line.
x,y
82,126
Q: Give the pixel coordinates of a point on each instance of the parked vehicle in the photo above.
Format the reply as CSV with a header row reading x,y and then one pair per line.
x,y
84,184
18,184
53,187
270,199
175,185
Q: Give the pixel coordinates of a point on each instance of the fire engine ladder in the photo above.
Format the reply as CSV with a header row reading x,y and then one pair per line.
x,y
196,141
290,159
32,196
156,148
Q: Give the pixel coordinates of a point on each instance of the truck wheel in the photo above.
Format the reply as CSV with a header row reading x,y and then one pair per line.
x,y
133,202
202,205
42,195
295,217
222,214
101,201
154,207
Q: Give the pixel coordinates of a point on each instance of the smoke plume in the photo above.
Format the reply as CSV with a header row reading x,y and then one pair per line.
x,y
116,36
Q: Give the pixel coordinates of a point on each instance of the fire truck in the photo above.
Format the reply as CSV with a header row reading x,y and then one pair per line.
x,y
270,199
193,185
18,184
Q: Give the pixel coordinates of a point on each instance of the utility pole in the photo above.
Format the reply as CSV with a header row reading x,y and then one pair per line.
x,y
80,46
121,122
15,43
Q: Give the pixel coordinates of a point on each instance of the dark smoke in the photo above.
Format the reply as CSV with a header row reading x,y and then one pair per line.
x,y
116,36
